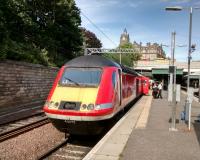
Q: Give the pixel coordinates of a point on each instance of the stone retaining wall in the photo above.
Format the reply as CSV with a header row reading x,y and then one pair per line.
x,y
24,84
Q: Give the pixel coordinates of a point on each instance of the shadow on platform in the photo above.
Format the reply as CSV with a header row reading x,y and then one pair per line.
x,y
196,125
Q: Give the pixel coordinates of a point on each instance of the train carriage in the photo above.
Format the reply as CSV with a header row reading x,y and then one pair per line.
x,y
88,91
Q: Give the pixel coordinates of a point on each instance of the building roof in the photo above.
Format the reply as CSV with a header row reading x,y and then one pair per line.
x,y
148,65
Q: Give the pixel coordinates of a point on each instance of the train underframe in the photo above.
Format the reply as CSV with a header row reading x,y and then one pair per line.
x,y
81,127
96,127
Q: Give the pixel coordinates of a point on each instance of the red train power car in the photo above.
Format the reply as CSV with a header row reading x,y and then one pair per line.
x,y
88,91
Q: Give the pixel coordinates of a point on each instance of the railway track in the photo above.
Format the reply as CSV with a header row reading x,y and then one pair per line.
x,y
18,127
70,149
76,147
196,94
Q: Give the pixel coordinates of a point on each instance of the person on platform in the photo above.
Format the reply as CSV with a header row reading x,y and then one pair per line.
x,y
155,90
160,87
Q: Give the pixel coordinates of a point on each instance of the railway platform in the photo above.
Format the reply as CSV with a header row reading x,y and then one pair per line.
x,y
143,134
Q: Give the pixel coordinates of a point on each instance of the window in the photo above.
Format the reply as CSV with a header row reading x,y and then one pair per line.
x,y
114,79
81,76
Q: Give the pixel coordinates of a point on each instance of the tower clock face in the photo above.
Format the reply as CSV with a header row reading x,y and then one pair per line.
x,y
123,38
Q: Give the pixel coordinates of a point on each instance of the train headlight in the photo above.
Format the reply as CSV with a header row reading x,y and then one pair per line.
x,y
84,106
56,104
51,104
90,106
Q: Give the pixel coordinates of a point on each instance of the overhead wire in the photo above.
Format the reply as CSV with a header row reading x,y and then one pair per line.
x,y
99,29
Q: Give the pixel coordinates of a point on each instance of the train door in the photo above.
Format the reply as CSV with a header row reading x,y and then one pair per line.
x,y
116,87
137,87
134,87
120,86
145,85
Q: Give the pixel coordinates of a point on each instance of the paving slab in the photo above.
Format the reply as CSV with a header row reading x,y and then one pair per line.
x,y
143,134
101,157
156,142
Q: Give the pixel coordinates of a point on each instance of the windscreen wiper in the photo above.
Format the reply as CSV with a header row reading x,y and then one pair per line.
x,y
76,83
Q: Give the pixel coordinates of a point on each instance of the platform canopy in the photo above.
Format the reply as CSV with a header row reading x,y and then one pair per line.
x,y
195,75
165,71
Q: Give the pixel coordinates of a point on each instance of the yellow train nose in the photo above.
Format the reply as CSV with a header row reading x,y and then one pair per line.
x,y
86,96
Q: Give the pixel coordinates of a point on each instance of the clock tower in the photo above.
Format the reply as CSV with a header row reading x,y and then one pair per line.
x,y
124,38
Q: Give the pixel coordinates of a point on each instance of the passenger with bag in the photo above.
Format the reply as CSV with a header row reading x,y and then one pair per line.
x,y
160,87
155,92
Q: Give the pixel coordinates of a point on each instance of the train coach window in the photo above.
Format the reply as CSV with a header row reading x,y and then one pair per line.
x,y
81,76
114,79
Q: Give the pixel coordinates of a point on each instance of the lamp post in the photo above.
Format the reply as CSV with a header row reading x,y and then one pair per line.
x,y
172,84
178,8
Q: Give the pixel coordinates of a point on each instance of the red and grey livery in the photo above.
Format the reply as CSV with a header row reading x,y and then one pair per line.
x,y
89,91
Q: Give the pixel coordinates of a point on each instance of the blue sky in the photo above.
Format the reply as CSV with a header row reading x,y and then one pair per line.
x,y
145,21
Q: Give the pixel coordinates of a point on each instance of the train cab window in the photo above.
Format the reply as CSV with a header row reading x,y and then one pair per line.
x,y
81,76
114,79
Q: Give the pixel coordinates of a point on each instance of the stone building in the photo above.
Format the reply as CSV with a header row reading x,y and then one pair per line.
x,y
124,38
150,51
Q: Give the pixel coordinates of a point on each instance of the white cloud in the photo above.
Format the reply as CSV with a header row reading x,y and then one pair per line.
x,y
177,1
133,4
197,3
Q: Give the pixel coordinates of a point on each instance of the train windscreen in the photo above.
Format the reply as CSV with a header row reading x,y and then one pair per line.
x,y
81,76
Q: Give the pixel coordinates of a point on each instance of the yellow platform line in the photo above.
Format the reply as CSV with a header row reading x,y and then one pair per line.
x,y
143,119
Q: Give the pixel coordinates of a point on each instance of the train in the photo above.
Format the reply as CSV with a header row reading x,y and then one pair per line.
x,y
89,91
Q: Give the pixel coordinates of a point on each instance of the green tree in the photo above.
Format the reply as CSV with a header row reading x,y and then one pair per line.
x,y
91,39
45,32
59,22
17,39
128,59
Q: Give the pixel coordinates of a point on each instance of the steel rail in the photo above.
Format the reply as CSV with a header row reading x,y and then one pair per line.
x,y
23,118
19,130
53,149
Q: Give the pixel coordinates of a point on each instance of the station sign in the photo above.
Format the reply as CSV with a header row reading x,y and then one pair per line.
x,y
172,69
